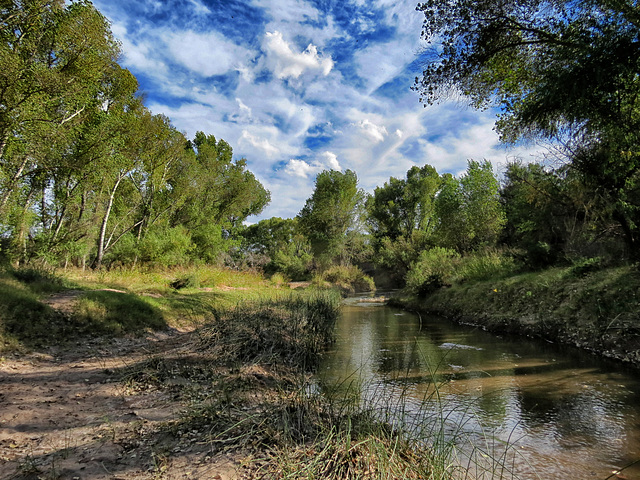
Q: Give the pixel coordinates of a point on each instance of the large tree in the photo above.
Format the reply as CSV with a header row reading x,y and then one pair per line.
x,y
332,210
556,68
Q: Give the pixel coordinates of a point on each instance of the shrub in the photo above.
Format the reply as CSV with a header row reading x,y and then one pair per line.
x,y
350,279
485,265
433,269
295,265
585,266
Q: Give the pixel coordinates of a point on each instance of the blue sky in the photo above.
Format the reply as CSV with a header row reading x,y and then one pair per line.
x,y
299,86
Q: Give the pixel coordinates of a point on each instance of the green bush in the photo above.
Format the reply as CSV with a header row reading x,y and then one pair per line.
x,y
295,266
585,266
433,269
350,279
485,265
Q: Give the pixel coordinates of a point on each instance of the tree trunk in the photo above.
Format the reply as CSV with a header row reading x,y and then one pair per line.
x,y
97,263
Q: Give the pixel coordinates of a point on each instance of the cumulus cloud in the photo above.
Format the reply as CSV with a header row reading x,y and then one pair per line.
x,y
375,132
259,143
300,168
286,63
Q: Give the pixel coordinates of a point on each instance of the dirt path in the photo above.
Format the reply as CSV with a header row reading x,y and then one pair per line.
x,y
66,413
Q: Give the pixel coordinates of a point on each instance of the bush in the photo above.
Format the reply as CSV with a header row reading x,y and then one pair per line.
x,y
485,265
433,269
350,279
187,281
295,266
585,266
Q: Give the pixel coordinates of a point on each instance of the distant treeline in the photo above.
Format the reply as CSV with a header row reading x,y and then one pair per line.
x,y
89,177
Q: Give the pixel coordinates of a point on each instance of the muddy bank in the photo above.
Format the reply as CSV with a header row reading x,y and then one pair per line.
x,y
599,312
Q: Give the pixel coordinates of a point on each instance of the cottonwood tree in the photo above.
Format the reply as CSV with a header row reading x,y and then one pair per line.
x,y
53,60
468,209
333,209
556,68
401,217
216,193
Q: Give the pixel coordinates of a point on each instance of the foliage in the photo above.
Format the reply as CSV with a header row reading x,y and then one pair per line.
x,y
433,269
350,279
484,265
558,69
332,210
402,206
554,217
87,173
283,248
468,209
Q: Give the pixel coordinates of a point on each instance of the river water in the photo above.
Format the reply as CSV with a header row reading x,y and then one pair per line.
x,y
510,406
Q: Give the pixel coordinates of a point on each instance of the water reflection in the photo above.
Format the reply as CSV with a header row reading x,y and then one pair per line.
x,y
562,412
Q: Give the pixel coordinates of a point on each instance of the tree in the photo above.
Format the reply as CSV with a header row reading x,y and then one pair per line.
x,y
402,206
332,210
556,68
468,209
552,215
216,194
54,59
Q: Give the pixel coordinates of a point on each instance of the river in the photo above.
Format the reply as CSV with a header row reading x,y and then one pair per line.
x,y
515,407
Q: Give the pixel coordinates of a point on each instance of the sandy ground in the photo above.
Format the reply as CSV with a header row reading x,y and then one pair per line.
x,y
66,413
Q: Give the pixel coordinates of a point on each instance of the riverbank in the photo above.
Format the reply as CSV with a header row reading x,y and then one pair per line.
x,y
119,376
596,310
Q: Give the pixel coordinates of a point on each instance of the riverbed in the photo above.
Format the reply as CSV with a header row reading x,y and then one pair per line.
x,y
506,407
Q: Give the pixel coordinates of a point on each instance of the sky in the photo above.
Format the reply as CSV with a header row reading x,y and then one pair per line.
x,y
300,86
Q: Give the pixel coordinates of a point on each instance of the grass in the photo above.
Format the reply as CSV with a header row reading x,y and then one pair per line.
x,y
245,380
117,302
592,308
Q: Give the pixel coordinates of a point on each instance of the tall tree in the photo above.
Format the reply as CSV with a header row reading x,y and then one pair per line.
x,y
469,211
54,58
555,68
402,206
331,211
217,194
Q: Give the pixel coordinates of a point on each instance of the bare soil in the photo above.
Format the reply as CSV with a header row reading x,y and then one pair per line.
x,y
67,413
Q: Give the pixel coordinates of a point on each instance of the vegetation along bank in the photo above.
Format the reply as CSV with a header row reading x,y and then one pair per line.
x,y
583,306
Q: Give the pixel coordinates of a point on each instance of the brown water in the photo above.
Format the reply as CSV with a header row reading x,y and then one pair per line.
x,y
526,409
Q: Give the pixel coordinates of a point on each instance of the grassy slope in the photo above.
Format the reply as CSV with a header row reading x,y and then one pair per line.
x,y
598,311
113,303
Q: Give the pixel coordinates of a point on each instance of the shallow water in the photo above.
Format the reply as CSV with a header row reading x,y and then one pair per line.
x,y
524,409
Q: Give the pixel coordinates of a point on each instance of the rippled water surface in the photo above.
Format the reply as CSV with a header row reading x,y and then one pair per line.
x,y
542,410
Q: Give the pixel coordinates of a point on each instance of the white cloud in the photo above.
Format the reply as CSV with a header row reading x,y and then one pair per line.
x,y
199,8
244,113
300,168
331,161
259,143
286,63
139,54
206,54
377,133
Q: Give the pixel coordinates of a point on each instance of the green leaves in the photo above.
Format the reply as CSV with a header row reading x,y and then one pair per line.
x,y
332,210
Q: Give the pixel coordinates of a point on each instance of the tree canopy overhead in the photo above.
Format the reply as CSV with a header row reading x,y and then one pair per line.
x,y
560,69
544,62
